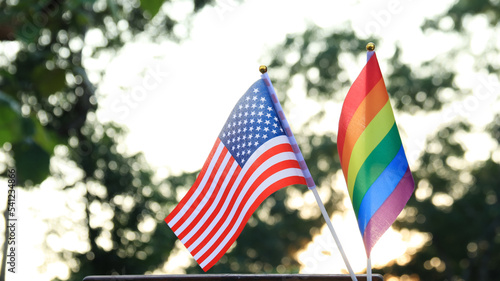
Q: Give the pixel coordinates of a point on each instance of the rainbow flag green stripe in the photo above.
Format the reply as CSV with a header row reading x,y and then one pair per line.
x,y
372,157
374,133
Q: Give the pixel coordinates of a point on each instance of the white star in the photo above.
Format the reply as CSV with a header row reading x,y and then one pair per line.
x,y
255,90
256,143
274,131
267,115
267,122
254,98
247,98
269,108
260,113
261,106
266,129
262,99
259,120
240,107
258,128
264,136
257,136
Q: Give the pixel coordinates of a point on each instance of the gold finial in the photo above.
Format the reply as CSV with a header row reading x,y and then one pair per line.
x,y
370,46
263,69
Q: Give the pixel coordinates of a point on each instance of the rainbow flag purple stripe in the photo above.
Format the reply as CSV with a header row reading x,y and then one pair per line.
x,y
371,154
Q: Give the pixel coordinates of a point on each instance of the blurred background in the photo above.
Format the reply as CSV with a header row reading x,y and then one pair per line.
x,y
108,110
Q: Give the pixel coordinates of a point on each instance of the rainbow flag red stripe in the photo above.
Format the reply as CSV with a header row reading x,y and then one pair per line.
x,y
371,154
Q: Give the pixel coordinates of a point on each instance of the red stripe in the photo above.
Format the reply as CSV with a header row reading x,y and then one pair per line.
x,y
205,189
264,157
266,174
365,81
210,201
271,189
216,210
186,197
273,97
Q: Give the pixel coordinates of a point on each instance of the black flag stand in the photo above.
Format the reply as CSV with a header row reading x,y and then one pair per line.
x,y
233,277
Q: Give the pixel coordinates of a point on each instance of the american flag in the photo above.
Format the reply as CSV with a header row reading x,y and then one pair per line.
x,y
251,159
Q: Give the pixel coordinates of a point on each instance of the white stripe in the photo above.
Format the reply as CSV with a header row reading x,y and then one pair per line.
x,y
206,197
262,168
266,146
188,204
209,212
262,187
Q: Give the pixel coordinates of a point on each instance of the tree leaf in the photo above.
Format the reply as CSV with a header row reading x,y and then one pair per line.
x,y
151,6
11,129
49,81
32,162
47,139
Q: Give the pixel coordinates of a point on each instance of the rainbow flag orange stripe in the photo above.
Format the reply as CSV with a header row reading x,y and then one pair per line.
x,y
371,154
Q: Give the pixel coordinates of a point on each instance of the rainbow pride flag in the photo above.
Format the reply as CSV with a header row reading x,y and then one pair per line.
x,y
373,160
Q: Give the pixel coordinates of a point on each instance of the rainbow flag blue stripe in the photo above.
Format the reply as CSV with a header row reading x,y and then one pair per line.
x,y
371,154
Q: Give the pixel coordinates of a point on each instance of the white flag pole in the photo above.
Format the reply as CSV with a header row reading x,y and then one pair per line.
x,y
370,50
303,166
368,269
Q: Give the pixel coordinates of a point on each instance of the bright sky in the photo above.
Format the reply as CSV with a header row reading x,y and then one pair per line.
x,y
176,109
175,98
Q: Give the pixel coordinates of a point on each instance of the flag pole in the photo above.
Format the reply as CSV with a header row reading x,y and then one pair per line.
x,y
370,50
303,166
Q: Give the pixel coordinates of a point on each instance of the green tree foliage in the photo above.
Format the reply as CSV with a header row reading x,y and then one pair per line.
x,y
461,212
456,203
45,102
